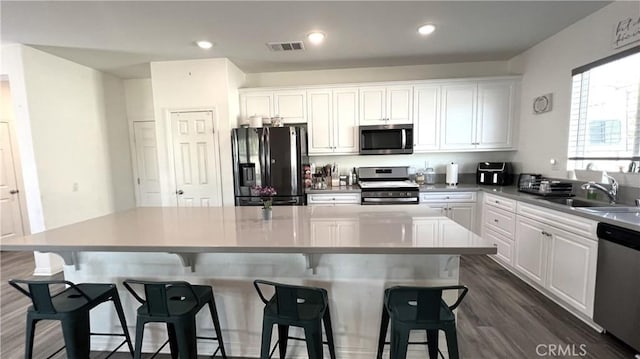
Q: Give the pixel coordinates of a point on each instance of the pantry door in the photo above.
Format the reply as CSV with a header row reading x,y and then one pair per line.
x,y
11,222
195,158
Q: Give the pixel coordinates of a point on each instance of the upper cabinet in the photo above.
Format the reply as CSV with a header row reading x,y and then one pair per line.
x,y
382,105
447,115
291,105
426,117
496,112
478,115
333,121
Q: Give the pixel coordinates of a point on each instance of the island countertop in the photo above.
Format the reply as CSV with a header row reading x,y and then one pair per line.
x,y
394,229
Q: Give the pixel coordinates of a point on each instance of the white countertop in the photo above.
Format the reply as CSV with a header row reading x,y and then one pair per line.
x,y
393,229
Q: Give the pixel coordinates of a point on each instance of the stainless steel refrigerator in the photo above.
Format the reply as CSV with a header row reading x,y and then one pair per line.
x,y
269,156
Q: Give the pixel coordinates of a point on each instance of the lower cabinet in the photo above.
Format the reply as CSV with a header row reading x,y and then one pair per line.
x,y
334,233
503,245
562,262
459,206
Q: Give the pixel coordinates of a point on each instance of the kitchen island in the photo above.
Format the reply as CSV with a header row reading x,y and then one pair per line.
x,y
352,251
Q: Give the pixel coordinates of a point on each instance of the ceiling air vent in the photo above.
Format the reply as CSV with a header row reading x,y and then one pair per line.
x,y
286,46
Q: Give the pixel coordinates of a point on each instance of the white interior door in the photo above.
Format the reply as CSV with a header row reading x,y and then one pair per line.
x,y
148,176
11,222
195,156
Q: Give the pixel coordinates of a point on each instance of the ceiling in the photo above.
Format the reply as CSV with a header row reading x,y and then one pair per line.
x,y
122,37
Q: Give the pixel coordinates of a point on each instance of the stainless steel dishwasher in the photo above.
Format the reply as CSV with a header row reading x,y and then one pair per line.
x,y
617,300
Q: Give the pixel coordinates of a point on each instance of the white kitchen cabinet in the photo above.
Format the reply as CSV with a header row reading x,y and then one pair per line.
x,y
257,104
458,120
572,269
503,244
562,262
333,198
496,111
458,206
530,257
382,105
426,118
333,121
478,115
425,232
291,106
334,233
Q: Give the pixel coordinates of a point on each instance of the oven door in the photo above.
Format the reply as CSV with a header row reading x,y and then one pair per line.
x,y
386,139
388,200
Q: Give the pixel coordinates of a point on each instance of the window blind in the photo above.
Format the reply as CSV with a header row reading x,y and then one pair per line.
x,y
604,129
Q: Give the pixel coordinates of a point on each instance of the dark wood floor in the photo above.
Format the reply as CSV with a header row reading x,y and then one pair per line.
x,y
501,317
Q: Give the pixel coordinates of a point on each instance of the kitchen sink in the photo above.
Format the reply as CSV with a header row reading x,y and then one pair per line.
x,y
574,202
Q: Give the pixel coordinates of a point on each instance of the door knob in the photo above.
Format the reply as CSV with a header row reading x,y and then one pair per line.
x,y
14,191
180,192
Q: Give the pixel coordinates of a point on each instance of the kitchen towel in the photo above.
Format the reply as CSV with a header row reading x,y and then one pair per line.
x,y
452,174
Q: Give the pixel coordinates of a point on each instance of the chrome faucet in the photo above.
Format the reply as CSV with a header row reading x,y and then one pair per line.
x,y
611,192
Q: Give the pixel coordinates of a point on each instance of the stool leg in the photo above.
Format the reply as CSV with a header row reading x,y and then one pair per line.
x,y
30,333
137,353
328,329
313,337
173,340
76,335
186,335
399,342
384,324
452,341
265,348
216,325
283,338
123,320
432,343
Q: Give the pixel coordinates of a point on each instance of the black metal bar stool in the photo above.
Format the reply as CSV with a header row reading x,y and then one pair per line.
x,y
416,308
298,306
176,304
71,307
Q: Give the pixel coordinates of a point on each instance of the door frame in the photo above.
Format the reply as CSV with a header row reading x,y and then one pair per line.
x,y
168,194
17,167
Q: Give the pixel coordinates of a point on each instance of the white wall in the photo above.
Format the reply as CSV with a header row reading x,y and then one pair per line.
x,y
196,84
371,74
139,99
80,136
546,68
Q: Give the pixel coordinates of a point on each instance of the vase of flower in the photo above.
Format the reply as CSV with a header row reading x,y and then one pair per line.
x,y
266,194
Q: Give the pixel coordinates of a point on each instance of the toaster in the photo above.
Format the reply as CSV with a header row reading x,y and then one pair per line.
x,y
494,173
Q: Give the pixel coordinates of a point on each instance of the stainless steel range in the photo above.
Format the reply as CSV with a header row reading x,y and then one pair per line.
x,y
387,185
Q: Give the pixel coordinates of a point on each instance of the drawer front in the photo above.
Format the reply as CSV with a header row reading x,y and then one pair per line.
x,y
449,197
504,246
333,198
567,222
500,221
500,202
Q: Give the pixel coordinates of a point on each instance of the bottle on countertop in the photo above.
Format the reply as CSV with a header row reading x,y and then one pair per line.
x,y
354,177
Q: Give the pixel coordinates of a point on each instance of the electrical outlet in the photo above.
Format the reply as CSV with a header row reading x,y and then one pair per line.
x,y
75,187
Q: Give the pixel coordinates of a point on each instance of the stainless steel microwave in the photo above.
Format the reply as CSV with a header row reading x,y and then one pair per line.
x,y
386,139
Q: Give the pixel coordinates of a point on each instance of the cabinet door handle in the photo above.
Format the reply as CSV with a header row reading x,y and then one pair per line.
x,y
497,201
495,220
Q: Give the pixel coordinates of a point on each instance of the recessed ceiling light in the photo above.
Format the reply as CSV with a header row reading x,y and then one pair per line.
x,y
203,44
426,29
316,37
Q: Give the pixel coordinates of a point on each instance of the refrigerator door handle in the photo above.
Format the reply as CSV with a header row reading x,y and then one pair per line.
x,y
267,157
295,171
262,155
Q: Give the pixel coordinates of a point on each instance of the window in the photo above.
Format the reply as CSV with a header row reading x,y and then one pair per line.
x,y
604,131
